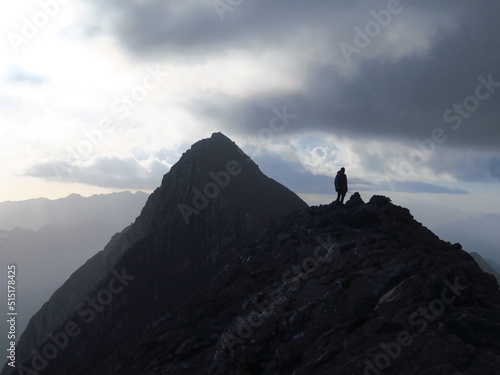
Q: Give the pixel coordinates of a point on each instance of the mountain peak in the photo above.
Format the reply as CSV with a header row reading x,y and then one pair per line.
x,y
211,204
218,146
220,137
216,139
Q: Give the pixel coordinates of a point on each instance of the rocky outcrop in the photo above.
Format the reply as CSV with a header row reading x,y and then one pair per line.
x,y
212,203
355,289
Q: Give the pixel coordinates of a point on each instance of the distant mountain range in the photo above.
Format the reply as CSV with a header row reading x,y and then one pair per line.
x,y
117,209
226,271
51,239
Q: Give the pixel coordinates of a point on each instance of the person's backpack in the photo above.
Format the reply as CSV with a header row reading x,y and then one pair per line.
x,y
339,181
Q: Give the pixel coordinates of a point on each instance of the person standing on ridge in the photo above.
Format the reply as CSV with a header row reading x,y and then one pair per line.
x,y
341,185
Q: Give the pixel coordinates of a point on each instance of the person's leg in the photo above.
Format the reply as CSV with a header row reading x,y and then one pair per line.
x,y
339,194
343,196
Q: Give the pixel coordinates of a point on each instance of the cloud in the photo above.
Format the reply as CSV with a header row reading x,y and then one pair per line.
x,y
422,187
173,27
425,60
124,172
17,74
293,174
231,72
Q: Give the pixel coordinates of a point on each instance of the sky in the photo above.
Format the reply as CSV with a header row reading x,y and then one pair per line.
x,y
99,96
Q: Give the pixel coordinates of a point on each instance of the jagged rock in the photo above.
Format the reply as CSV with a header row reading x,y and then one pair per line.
x,y
354,200
379,200
369,291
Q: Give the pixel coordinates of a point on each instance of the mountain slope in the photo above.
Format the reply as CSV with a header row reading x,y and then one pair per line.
x,y
360,289
211,203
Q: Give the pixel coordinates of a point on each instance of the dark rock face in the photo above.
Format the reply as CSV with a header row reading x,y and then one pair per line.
x,y
211,204
355,289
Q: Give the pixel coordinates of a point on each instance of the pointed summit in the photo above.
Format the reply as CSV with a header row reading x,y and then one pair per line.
x,y
216,170
210,205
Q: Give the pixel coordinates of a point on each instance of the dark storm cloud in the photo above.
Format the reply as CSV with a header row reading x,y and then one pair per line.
x,y
172,27
403,97
451,82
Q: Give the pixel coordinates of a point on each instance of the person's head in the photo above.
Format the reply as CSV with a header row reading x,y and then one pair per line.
x,y
342,169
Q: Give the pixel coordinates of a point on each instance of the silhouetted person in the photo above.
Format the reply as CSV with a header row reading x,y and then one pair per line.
x,y
341,185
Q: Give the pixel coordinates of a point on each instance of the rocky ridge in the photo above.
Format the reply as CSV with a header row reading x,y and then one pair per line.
x,y
357,289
